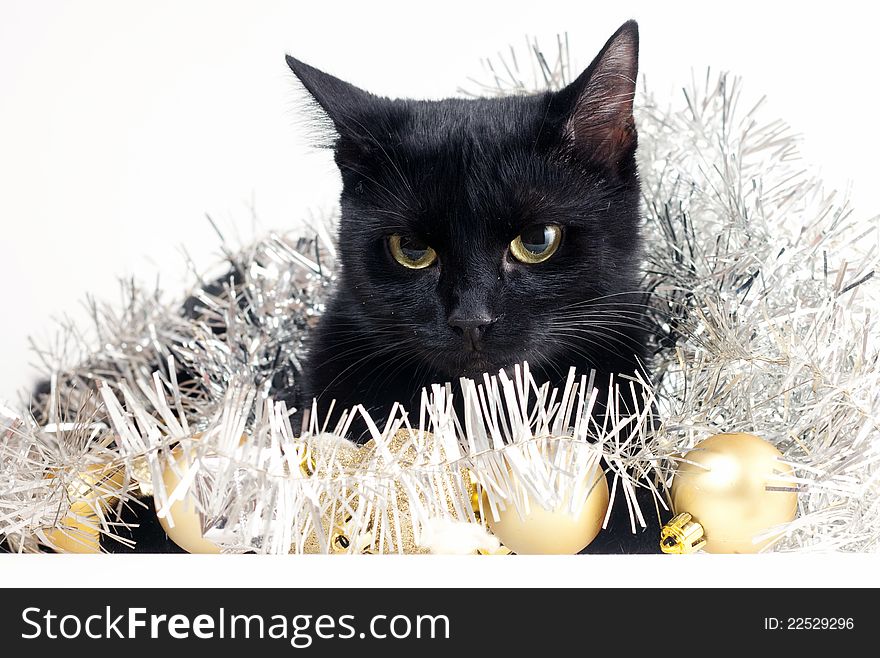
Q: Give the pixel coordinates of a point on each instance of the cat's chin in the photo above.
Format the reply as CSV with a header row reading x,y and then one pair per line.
x,y
477,371
475,365
471,366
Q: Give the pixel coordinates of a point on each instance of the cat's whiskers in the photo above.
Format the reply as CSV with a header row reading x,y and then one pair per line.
x,y
356,337
602,323
635,317
412,355
609,342
546,363
394,328
604,301
610,323
577,348
607,324
429,364
372,353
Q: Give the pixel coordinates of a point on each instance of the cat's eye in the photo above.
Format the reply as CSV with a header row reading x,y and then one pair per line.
x,y
537,243
411,252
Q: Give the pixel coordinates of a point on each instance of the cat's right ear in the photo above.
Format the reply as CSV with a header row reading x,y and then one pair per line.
x,y
597,107
339,100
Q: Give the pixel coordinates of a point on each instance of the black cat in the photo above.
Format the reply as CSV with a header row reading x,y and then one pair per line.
x,y
477,234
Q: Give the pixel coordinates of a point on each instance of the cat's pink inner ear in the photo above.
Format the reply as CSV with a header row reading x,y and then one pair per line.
x,y
601,120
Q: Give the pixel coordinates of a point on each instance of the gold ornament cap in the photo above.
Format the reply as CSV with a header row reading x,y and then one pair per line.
x,y
682,535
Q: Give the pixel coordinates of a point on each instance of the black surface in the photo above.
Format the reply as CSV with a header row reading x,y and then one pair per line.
x,y
147,533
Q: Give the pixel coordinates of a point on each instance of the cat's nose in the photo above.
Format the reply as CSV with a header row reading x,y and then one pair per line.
x,y
470,327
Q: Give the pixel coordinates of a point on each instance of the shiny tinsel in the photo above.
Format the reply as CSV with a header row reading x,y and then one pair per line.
x,y
763,293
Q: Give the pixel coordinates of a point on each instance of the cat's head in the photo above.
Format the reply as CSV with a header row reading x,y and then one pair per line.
x,y
476,233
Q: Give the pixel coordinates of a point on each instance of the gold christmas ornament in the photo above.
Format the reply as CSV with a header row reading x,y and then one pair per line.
x,y
554,532
731,488
96,488
364,528
183,523
186,530
184,527
76,533
140,474
99,484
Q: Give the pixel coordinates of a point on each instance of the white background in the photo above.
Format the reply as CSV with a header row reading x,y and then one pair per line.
x,y
122,124
420,571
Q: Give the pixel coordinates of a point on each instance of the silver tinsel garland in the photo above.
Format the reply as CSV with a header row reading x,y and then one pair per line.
x,y
763,290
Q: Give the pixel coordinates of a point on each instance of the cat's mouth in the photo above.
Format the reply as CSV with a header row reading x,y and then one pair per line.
x,y
474,364
476,368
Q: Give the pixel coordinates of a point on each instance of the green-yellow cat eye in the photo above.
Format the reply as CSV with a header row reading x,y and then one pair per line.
x,y
411,252
536,244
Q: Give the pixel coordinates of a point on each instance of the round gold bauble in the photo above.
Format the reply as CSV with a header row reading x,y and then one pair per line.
x,y
76,533
558,531
95,488
186,530
99,484
357,528
735,487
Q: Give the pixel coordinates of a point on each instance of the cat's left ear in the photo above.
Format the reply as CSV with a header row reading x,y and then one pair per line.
x,y
597,108
340,100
